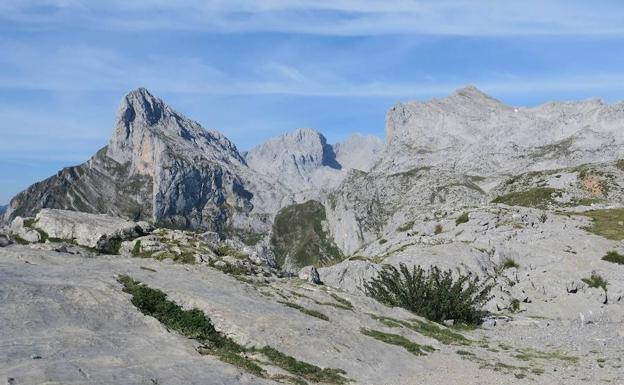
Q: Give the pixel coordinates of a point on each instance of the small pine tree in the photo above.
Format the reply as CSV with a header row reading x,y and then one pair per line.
x,y
433,294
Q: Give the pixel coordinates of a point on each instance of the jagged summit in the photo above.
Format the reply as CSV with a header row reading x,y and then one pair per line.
x,y
141,105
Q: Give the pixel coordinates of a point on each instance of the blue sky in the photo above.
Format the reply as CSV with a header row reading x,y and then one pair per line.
x,y
254,69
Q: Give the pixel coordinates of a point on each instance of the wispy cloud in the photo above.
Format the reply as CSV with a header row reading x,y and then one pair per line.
x,y
81,68
333,17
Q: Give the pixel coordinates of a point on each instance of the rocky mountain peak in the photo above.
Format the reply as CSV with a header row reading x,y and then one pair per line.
x,y
360,152
140,105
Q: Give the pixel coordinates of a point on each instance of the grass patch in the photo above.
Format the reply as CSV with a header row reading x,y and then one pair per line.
x,y
303,369
344,302
615,257
536,197
302,309
20,240
462,219
299,236
596,281
531,354
438,229
395,339
382,241
608,223
429,329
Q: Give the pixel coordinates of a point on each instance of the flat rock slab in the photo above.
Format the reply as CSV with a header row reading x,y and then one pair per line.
x,y
98,231
65,319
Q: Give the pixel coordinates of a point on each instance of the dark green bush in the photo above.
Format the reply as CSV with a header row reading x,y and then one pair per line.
x,y
615,257
136,250
433,294
462,219
596,281
438,229
509,263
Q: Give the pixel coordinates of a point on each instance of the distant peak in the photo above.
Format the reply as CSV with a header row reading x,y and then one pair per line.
x,y
140,104
304,132
471,90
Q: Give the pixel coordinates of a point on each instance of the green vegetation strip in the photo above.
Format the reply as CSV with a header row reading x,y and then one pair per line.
x,y
537,197
194,324
302,309
395,339
608,223
443,335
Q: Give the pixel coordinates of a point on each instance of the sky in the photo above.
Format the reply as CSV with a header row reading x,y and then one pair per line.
x,y
256,69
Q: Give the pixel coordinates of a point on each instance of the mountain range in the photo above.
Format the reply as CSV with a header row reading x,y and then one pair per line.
x,y
465,149
256,267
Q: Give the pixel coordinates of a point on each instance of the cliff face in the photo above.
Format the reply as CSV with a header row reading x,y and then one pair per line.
x,y
159,166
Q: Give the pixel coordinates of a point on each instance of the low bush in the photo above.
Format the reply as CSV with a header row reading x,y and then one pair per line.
x,y
433,294
438,229
462,219
136,250
509,263
596,281
615,257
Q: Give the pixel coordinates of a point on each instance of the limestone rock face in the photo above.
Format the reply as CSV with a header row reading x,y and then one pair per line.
x,y
359,152
159,166
292,157
310,274
473,133
97,231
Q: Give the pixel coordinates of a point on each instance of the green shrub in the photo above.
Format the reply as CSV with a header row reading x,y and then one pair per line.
x,y
462,219
515,305
433,294
136,250
438,229
615,257
114,245
596,281
509,263
382,241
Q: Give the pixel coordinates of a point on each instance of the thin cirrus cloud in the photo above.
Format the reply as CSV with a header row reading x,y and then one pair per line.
x,y
333,17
